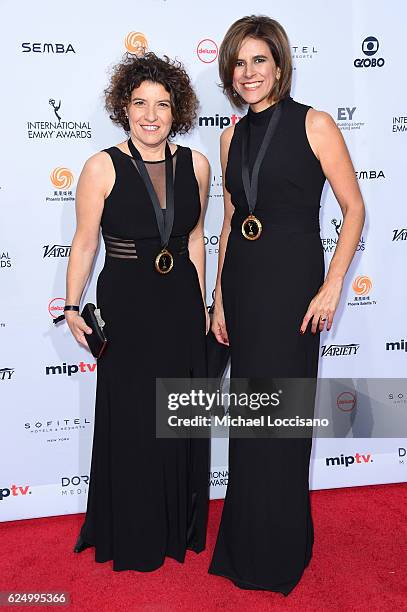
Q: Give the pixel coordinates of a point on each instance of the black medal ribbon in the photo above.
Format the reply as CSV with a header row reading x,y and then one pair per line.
x,y
251,186
164,223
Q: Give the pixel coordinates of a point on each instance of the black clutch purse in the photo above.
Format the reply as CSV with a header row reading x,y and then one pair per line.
x,y
217,354
97,340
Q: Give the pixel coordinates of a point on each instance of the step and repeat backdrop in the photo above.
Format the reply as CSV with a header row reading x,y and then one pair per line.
x,y
349,62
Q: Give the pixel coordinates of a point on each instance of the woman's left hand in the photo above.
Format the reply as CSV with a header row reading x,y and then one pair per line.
x,y
323,306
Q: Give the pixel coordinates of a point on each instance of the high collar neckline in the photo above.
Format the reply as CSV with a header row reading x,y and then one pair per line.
x,y
260,117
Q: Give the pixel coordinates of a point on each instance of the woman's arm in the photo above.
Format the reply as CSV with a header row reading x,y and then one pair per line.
x,y
329,146
90,194
196,243
218,321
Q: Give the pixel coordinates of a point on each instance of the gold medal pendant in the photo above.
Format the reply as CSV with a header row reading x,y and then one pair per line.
x,y
164,262
251,228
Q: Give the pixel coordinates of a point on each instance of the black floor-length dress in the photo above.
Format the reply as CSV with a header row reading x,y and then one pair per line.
x,y
148,496
266,532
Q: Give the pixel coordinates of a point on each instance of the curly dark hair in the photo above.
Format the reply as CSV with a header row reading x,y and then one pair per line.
x,y
171,74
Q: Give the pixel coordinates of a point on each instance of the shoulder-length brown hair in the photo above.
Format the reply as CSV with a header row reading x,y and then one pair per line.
x,y
274,35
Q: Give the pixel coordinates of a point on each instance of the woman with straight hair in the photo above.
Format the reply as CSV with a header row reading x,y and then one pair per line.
x,y
272,297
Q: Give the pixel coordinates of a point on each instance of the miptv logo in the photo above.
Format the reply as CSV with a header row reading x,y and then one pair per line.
x,y
135,42
207,50
61,178
362,285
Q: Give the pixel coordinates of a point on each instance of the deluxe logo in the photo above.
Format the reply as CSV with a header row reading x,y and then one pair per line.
x,y
339,350
59,48
207,50
58,129
6,373
15,491
362,286
348,460
61,178
398,345
346,401
5,260
329,244
369,174
56,250
56,307
345,120
70,368
135,42
218,121
370,47
399,234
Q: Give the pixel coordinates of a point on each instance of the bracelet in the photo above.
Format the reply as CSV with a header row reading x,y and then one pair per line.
x,y
70,307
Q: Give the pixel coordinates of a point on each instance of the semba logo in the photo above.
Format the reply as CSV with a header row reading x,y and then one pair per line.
x,y
15,491
348,460
71,368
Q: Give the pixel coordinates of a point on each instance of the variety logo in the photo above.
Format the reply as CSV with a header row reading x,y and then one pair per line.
x,y
5,260
346,401
136,42
70,368
56,307
15,491
399,234
329,244
345,120
56,250
59,48
399,124
362,286
207,50
369,174
58,129
339,350
398,345
78,485
6,373
370,47
348,460
218,121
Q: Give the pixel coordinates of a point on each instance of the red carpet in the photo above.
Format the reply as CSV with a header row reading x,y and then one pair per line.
x,y
359,563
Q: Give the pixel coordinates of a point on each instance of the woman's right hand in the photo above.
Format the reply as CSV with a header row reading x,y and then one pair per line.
x,y
78,327
218,325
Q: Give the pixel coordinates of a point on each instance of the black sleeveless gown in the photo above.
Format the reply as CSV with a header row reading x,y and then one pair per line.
x,y
148,496
266,531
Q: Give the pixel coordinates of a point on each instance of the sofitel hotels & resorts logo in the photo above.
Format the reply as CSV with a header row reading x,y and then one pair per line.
x,y
57,127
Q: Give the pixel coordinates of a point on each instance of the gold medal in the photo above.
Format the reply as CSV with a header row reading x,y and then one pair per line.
x,y
164,262
251,228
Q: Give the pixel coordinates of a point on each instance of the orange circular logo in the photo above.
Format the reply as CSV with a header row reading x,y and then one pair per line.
x,y
61,178
362,285
135,42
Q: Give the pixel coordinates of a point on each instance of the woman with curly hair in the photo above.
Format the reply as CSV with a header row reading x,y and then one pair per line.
x,y
148,496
